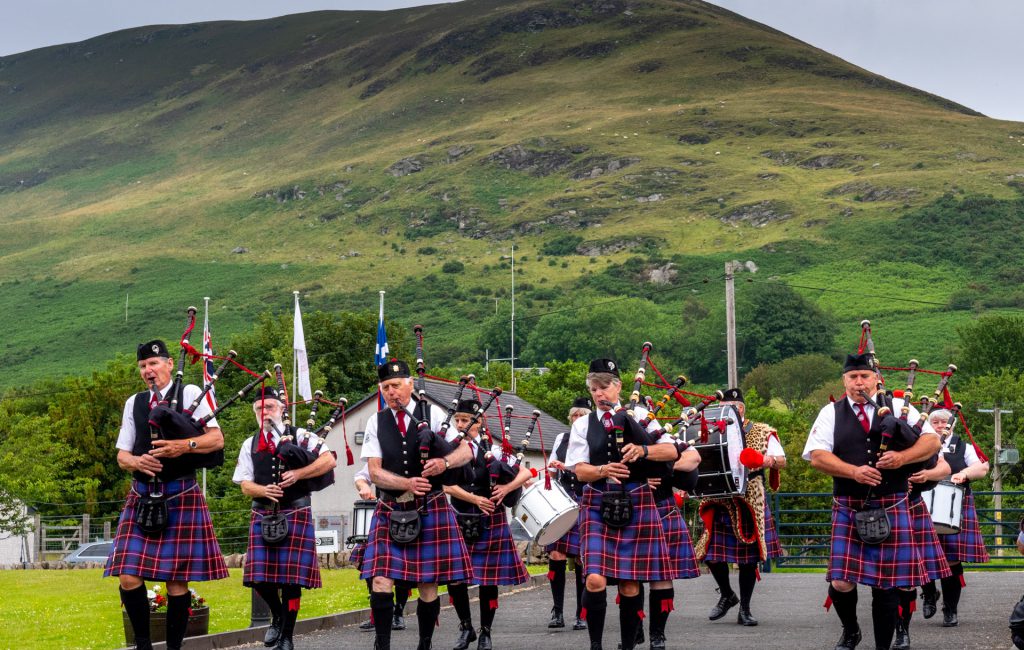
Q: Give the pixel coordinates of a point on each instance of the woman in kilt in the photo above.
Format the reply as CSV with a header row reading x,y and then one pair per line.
x,y
844,443
278,571
186,550
569,544
967,545
621,535
409,467
484,523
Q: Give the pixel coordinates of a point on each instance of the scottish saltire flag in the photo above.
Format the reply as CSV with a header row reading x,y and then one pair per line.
x,y
381,353
208,367
301,361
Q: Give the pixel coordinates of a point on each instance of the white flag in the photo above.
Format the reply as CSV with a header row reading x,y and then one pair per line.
x,y
301,362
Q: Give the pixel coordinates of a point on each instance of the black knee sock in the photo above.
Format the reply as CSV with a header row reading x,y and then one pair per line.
x,y
845,604
268,592
426,615
907,604
884,612
136,605
928,589
177,619
630,608
460,600
382,605
720,572
951,588
402,592
596,604
578,573
661,606
291,595
488,605
556,574
748,578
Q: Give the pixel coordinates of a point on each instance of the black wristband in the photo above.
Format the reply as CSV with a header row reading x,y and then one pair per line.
x,y
645,451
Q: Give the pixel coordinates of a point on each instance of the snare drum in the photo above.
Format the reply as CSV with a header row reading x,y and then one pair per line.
x,y
546,514
945,502
362,516
720,472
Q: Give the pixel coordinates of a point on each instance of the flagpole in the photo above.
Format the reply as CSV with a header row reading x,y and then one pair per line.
x,y
206,320
295,363
380,320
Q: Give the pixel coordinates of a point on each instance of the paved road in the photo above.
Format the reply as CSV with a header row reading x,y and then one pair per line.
x,y
788,605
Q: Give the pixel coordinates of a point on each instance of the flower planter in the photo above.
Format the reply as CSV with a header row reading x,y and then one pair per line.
x,y
198,625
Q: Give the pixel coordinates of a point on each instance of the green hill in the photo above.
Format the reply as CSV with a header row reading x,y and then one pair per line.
x,y
346,152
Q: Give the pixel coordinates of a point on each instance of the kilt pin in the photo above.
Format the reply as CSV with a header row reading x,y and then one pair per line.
x,y
186,550
291,562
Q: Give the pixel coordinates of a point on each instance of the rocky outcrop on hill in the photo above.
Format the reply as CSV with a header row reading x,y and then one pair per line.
x,y
540,158
866,192
757,214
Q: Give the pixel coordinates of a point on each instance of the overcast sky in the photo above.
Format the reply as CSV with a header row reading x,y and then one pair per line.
x,y
969,52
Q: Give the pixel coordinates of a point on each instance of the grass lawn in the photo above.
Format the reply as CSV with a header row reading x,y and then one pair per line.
x,y
81,609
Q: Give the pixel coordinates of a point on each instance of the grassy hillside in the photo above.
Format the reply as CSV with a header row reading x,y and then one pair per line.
x,y
348,152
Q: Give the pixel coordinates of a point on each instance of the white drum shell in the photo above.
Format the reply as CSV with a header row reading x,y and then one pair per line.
x,y
945,503
546,515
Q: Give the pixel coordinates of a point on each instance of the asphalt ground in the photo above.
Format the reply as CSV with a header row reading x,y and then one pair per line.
x,y
787,605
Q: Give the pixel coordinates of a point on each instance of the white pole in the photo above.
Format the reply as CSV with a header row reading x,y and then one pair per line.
x,y
206,319
730,325
295,369
512,342
126,306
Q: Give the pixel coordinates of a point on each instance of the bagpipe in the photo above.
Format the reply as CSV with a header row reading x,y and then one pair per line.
x,y
293,453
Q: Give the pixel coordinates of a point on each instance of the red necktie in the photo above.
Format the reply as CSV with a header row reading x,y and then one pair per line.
x,y
154,400
271,447
606,420
863,417
401,422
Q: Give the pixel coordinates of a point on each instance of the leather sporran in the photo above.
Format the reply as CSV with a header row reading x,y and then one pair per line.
x,y
616,508
404,526
151,517
872,525
274,528
471,525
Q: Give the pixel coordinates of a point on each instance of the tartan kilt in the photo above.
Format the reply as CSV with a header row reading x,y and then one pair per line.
x,y
186,550
494,556
771,534
967,545
724,546
569,543
636,552
893,563
438,555
356,556
677,537
291,562
927,541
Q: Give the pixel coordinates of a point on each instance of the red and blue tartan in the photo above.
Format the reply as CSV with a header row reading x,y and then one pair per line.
x,y
724,546
927,541
494,556
291,562
677,537
438,555
771,534
893,563
967,545
356,556
569,543
186,550
636,552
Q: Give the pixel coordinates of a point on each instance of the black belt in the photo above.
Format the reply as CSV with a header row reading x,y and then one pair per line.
x,y
301,502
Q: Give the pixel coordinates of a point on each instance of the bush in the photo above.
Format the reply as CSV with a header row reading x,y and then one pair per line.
x,y
562,245
453,267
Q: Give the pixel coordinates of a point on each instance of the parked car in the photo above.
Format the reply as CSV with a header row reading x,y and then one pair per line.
x,y
91,552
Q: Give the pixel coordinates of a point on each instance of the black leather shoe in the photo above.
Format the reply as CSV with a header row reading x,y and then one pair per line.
x,y
424,644
639,639
725,603
902,641
657,641
595,645
556,618
580,624
365,626
485,639
273,634
949,618
143,644
285,643
398,623
849,640
743,617
928,604
466,635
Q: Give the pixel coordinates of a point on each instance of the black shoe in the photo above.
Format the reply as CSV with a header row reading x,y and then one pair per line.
x,y
744,618
364,626
725,603
595,645
639,639
273,634
928,604
849,640
424,644
556,618
285,643
902,641
143,644
485,639
378,646
657,641
949,618
466,635
398,623
580,624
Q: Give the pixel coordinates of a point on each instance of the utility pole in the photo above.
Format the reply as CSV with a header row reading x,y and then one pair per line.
x,y
730,323
997,473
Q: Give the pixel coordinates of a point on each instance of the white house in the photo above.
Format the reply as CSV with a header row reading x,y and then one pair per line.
x,y
15,549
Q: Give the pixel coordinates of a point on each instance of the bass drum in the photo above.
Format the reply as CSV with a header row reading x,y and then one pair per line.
x,y
720,473
546,514
945,503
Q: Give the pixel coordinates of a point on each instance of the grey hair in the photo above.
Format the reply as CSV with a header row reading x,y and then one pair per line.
x,y
940,414
579,410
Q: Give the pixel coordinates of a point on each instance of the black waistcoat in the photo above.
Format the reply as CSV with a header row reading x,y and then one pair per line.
x,y
475,479
568,479
853,446
400,454
263,471
603,450
173,468
957,458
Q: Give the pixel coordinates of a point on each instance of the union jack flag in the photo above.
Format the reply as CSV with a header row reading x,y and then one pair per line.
x,y
208,367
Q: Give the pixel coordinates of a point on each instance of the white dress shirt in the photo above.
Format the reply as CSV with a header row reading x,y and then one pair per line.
x,y
822,434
